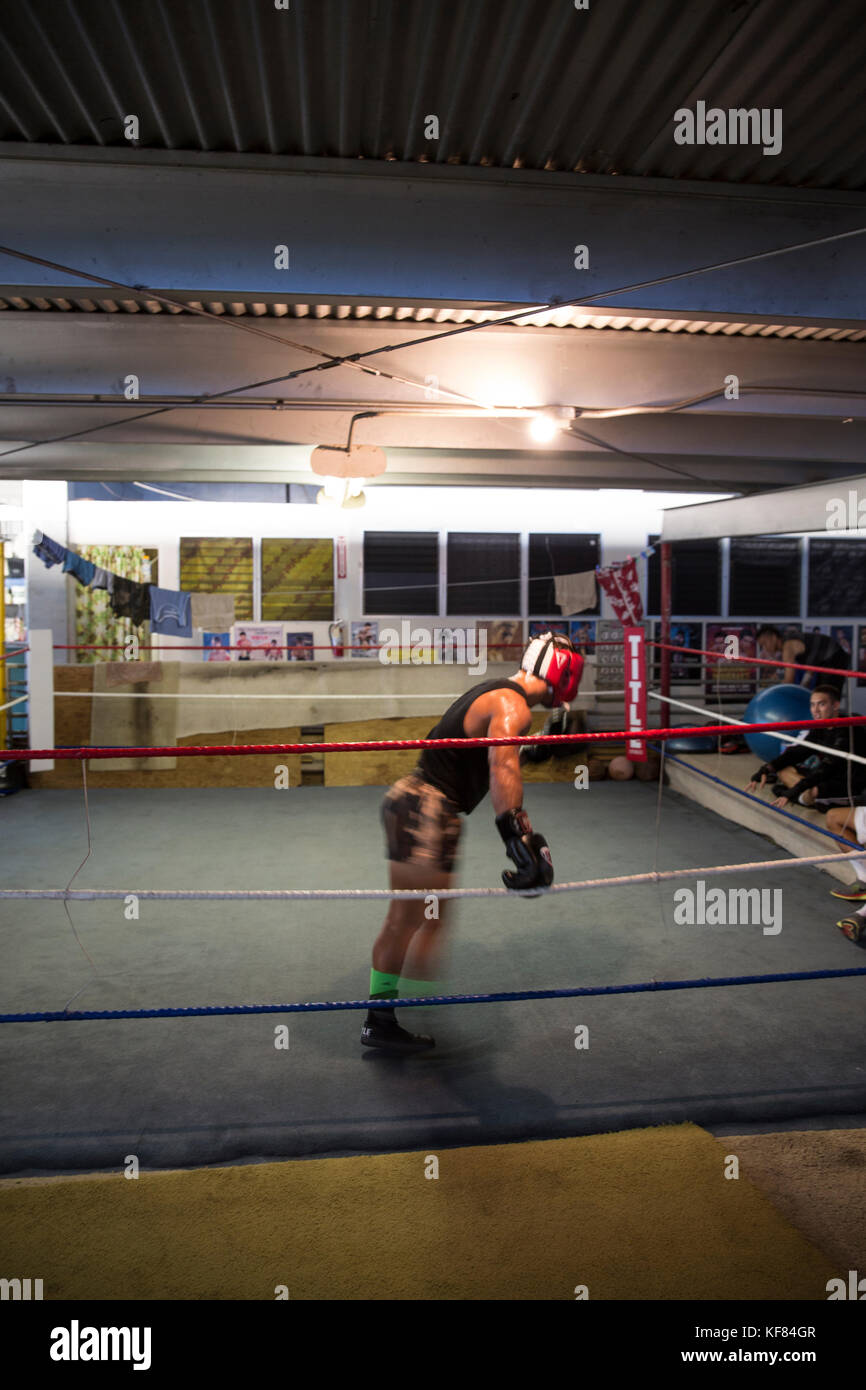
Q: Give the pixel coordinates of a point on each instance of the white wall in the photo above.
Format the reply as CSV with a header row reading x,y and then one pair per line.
x,y
45,509
624,519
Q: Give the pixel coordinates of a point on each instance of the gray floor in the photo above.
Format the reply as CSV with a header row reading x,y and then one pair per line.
x,y
81,1096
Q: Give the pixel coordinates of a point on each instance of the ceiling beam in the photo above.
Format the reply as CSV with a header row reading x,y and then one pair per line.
x,y
831,507
210,224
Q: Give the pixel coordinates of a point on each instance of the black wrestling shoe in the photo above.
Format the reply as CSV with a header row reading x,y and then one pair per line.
x,y
387,1034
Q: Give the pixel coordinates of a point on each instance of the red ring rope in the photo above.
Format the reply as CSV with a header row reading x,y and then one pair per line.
x,y
759,661
396,745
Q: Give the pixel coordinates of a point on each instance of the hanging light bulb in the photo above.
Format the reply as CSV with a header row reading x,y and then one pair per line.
x,y
342,492
543,428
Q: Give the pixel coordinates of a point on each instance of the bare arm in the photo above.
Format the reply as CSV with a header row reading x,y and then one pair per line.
x,y
510,719
791,651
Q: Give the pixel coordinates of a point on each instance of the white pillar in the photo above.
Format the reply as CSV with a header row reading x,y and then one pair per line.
x,y
40,693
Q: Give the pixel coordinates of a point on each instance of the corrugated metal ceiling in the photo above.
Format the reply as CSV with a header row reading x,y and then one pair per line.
x,y
534,84
405,313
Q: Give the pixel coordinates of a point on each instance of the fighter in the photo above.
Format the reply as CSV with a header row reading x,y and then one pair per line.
x,y
421,818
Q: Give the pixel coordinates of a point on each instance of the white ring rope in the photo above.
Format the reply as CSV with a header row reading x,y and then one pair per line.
x,y
376,894
788,738
311,698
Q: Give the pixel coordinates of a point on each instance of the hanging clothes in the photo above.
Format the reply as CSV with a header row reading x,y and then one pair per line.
x,y
130,600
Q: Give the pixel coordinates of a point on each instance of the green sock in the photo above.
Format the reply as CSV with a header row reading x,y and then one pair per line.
x,y
414,989
383,986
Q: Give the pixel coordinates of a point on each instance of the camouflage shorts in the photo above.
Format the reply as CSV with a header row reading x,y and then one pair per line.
x,y
421,825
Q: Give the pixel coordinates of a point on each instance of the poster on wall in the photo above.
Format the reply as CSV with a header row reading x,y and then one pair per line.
x,y
730,677
685,666
504,639
219,565
300,646
610,654
365,639
216,646
298,579
861,656
539,625
582,634
258,641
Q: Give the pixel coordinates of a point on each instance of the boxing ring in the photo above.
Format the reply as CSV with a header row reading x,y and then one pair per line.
x,y
187,994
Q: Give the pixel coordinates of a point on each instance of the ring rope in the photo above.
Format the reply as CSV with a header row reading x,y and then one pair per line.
x,y
646,987
760,661
398,745
379,894
767,805
784,738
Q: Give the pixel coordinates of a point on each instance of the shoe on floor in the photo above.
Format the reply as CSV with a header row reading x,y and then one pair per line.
x,y
853,927
854,893
388,1035
732,745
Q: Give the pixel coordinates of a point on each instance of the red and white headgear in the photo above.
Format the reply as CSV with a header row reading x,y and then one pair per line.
x,y
551,656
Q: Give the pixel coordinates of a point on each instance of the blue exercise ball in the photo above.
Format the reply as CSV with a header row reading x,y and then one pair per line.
x,y
776,702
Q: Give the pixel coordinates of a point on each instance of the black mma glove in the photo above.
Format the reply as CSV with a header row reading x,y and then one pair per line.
x,y
556,723
527,850
766,771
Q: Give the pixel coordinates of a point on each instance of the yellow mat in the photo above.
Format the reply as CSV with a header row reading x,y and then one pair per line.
x,y
645,1214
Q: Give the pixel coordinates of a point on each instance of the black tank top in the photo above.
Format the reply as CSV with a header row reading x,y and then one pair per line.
x,y
464,776
822,650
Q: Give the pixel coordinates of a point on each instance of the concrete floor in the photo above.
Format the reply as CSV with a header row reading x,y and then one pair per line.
x,y
82,1096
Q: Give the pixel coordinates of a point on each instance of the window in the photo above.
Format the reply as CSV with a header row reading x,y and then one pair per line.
x,y
765,577
550,555
401,572
696,578
837,578
483,573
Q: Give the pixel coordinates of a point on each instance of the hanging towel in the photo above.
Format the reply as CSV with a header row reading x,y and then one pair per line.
x,y
213,612
170,612
131,672
575,593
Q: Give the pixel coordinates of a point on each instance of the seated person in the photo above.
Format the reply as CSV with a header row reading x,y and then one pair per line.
x,y
811,649
850,821
801,774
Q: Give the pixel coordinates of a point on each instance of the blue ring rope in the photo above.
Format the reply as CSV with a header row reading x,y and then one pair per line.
x,y
648,987
750,796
